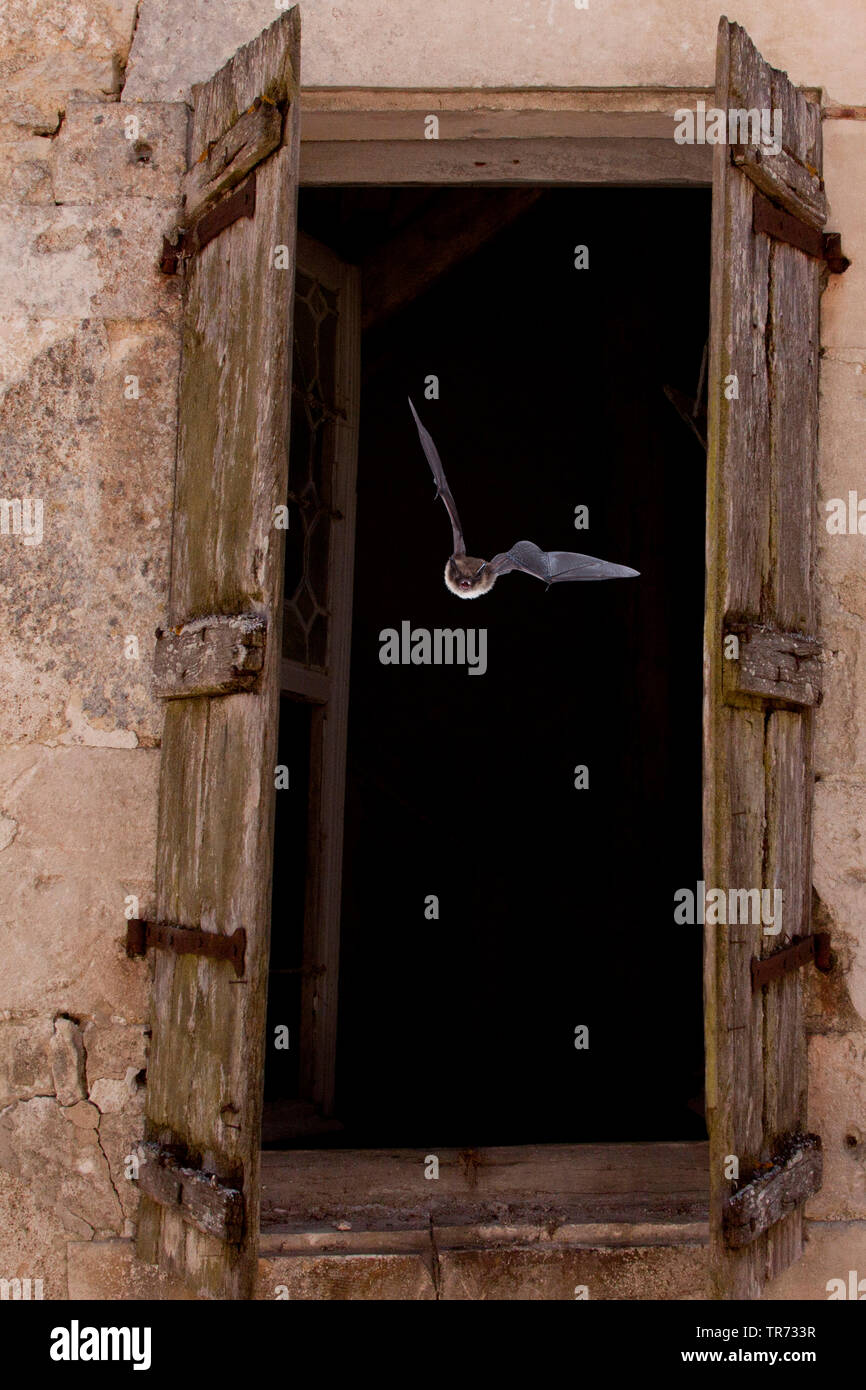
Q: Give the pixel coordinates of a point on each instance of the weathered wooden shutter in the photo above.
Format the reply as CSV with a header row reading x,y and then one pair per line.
x,y
218,666
768,211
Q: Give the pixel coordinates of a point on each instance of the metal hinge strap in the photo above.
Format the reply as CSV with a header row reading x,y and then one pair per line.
x,y
185,242
801,951
186,941
784,226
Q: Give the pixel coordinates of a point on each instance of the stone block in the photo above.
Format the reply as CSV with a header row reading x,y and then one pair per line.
x,y
67,1062
313,1278
521,1274
80,261
839,872
833,1249
108,1270
89,433
34,96
837,1111
32,1241
112,1096
25,171
120,1134
843,305
51,52
113,1049
108,152
39,1144
840,728
25,1068
87,821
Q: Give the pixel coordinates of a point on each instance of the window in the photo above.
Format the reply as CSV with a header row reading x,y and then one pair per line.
x,y
221,668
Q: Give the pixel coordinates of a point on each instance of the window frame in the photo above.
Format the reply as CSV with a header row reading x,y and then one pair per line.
x,y
603,1192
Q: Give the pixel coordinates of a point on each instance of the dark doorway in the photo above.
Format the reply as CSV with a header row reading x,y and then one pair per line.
x,y
555,905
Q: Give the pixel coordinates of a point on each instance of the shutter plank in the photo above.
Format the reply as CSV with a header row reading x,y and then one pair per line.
x,y
225,163
205,1072
789,840
746,555
793,353
758,772
232,425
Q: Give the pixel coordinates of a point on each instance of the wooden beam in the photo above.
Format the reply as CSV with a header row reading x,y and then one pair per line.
x,y
774,1194
209,656
197,1197
773,665
625,161
786,180
583,1182
228,160
473,103
441,237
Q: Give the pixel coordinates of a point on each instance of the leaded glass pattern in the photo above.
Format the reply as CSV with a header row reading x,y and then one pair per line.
x,y
305,618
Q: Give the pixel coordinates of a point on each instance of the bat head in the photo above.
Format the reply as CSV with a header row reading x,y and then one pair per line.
x,y
468,577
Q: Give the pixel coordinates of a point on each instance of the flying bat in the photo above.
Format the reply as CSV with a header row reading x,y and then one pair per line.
x,y
468,577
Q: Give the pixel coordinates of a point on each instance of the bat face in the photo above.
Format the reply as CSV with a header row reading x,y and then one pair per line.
x,y
468,577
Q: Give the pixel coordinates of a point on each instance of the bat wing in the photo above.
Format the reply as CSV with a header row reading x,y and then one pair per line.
x,y
442,488
557,566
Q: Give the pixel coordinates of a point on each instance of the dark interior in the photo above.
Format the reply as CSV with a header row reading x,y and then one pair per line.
x,y
555,904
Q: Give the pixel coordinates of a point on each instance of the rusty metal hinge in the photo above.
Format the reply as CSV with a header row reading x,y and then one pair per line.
x,y
186,241
784,226
186,941
802,950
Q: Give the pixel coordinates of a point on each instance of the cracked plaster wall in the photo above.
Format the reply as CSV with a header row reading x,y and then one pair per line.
x,y
82,309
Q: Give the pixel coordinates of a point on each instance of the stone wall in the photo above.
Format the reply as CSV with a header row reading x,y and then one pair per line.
x,y
83,312
88,375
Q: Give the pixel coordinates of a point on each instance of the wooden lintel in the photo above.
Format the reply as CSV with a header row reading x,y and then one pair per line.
x,y
505,162
228,160
199,1198
209,656
774,1194
784,667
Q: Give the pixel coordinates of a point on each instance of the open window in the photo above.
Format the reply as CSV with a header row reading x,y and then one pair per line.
x,y
520,918
480,898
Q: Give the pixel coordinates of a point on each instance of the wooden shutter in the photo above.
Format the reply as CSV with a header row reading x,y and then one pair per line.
x,y
762,508
218,665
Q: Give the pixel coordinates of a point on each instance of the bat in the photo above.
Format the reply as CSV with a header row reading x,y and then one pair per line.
x,y
469,577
